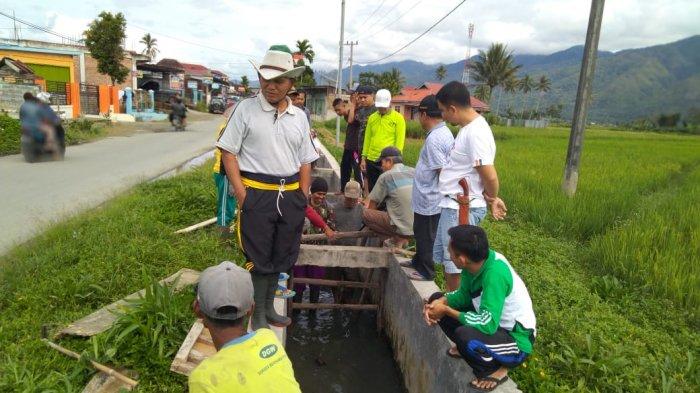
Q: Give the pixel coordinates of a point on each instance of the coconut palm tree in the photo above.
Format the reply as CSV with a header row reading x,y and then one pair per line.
x,y
511,86
494,66
306,49
440,72
392,80
543,85
525,86
482,92
151,46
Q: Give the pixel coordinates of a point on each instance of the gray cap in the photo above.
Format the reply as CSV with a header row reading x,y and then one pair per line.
x,y
225,291
390,151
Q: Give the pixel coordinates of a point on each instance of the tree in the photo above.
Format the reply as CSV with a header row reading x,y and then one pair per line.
x,y
392,81
525,86
245,83
305,48
494,66
543,85
151,46
482,92
103,39
511,86
440,72
368,78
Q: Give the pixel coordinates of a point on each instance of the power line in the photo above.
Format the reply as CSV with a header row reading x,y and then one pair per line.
x,y
393,21
37,27
372,14
389,11
191,42
417,38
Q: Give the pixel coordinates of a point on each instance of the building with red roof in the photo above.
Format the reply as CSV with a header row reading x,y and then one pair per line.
x,y
410,97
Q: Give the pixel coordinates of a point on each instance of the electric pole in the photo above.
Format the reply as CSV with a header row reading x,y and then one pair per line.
x,y
583,98
339,79
465,73
352,46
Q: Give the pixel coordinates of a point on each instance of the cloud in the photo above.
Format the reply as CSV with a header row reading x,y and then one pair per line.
x,y
248,27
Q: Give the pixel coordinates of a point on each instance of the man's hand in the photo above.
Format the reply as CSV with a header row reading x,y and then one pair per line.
x,y
240,197
330,234
434,311
363,165
426,315
498,207
353,98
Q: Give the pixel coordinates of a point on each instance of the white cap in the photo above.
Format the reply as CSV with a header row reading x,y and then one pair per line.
x,y
382,99
44,97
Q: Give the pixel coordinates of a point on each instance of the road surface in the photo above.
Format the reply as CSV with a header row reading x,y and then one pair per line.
x,y
32,196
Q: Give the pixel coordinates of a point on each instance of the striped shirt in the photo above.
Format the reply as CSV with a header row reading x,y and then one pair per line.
x,y
433,156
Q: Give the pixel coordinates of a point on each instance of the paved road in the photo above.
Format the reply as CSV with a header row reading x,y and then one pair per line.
x,y
34,195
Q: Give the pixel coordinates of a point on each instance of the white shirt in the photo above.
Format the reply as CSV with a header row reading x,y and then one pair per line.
x,y
267,142
474,146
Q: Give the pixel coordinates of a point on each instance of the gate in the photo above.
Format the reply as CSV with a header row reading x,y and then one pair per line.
x,y
60,92
89,99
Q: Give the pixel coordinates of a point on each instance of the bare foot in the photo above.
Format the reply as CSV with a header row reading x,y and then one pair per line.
x,y
492,381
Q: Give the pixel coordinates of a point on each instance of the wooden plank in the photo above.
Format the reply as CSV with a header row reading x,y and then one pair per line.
x,y
344,256
335,283
104,318
318,306
197,226
189,341
338,236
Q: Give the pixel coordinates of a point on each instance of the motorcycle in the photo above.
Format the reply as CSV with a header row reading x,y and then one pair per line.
x,y
177,123
35,147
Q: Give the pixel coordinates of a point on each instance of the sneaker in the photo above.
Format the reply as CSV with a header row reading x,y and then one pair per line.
x,y
283,277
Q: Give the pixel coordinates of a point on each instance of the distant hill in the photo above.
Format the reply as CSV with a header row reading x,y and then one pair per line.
x,y
629,84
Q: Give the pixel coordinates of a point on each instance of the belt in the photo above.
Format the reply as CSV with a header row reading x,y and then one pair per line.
x,y
282,186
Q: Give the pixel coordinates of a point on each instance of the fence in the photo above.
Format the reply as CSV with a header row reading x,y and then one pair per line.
x,y
89,99
60,92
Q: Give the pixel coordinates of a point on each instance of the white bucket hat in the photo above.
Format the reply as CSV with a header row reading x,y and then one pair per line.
x,y
278,63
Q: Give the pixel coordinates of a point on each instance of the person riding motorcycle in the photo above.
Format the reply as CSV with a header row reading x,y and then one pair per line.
x,y
179,112
42,132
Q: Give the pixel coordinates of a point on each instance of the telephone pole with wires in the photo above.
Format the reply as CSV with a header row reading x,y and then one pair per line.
x,y
465,73
352,47
339,78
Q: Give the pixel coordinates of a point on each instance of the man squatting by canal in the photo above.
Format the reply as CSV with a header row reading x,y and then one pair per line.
x,y
267,154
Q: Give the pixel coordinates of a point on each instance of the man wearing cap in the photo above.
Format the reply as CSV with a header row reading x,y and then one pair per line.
x,y
267,154
350,162
365,108
386,127
393,187
426,197
244,362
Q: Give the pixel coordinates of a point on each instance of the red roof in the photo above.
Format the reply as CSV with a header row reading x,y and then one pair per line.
x,y
413,95
196,69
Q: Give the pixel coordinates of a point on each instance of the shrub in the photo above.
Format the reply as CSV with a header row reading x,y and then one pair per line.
x,y
10,133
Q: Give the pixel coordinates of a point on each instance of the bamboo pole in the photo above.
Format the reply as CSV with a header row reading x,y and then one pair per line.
x,y
197,226
338,236
109,371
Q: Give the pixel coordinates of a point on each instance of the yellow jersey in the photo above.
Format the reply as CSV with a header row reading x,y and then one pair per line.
x,y
252,363
217,152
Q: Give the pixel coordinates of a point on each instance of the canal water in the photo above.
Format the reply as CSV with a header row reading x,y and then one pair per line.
x,y
340,351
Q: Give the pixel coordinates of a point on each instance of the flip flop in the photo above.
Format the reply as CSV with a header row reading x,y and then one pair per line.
x,y
284,292
408,263
283,277
452,354
415,276
498,382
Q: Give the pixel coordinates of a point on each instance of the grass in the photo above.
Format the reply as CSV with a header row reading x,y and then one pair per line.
x,y
612,272
602,326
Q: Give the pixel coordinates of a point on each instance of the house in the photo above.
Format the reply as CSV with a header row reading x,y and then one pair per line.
x,y
220,85
198,81
14,71
319,101
410,97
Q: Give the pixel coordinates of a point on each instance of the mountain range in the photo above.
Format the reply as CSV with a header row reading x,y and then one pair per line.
x,y
629,84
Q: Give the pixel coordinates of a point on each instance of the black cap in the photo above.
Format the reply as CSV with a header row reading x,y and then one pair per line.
x,y
319,184
390,151
365,89
429,105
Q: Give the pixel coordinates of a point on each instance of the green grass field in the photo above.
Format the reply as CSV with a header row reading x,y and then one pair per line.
x,y
613,272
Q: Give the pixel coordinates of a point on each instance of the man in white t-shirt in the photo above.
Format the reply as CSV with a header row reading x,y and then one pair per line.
x,y
471,158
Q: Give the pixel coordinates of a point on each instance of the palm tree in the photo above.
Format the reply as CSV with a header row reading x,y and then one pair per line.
x,y
511,86
245,83
543,85
151,46
525,86
440,72
494,66
306,49
482,92
392,80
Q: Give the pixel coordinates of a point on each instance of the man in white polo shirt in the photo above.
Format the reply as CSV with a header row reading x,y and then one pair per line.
x,y
267,154
471,158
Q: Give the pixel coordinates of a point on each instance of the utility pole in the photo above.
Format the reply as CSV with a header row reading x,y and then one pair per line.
x,y
14,24
339,79
352,46
583,98
465,73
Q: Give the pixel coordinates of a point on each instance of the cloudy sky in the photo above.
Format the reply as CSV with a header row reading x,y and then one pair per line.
x,y
224,34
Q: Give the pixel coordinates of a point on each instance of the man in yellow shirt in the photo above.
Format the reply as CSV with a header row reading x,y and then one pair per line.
x,y
385,127
245,362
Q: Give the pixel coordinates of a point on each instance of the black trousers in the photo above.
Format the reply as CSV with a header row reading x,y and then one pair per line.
x,y
484,353
374,170
270,240
348,165
424,230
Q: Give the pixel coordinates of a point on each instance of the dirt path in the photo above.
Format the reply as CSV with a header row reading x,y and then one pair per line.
x,y
32,196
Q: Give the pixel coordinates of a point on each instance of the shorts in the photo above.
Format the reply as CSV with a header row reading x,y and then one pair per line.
x,y
450,218
225,201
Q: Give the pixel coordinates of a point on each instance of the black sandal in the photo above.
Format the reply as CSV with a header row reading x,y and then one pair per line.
x,y
498,382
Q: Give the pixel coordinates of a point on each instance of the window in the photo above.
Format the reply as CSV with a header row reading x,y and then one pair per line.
x,y
397,108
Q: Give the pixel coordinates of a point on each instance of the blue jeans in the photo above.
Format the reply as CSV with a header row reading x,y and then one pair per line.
x,y
450,218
